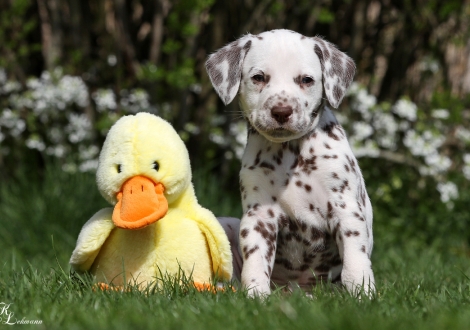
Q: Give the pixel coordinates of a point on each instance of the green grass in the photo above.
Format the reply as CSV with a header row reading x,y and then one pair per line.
x,y
419,286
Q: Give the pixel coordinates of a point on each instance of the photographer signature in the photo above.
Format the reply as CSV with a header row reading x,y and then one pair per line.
x,y
8,317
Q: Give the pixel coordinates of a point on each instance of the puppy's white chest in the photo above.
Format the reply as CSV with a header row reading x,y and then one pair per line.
x,y
286,174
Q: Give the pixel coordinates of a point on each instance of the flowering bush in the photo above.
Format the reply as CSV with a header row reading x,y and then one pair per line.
x,y
402,133
53,114
58,116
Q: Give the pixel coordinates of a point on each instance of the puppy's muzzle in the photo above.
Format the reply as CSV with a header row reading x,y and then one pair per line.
x,y
281,114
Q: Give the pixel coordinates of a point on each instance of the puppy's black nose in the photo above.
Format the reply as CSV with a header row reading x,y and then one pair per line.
x,y
281,114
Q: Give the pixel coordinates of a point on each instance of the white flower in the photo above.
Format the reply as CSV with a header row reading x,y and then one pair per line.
x,y
88,166
363,102
112,60
362,130
135,101
19,128
192,128
448,191
12,121
386,122
79,127
104,99
466,159
195,88
86,153
69,167
404,125
58,151
429,64
33,83
45,76
55,134
423,145
35,142
217,138
440,113
405,109
11,86
364,149
438,163
466,171
387,142
73,90
462,134
354,89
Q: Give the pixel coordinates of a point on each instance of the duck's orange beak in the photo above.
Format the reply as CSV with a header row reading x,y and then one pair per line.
x,y
140,203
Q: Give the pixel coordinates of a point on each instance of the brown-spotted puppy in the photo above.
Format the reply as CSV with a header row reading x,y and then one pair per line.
x,y
307,215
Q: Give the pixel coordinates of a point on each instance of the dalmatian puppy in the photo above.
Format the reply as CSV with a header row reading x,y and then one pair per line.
x,y
307,216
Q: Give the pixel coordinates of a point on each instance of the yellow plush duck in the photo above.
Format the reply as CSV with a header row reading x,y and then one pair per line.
x,y
156,226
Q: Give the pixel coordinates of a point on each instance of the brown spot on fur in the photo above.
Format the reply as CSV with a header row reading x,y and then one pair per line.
x,y
257,159
329,128
251,251
244,233
282,221
330,210
350,233
267,165
271,227
316,234
337,92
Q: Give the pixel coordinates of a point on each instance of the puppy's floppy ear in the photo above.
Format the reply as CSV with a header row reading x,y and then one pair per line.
x,y
338,70
225,68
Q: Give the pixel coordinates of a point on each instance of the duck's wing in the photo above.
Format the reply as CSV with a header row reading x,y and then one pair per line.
x,y
218,243
92,236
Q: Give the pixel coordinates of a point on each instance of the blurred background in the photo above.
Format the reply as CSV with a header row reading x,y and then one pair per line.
x,y
70,68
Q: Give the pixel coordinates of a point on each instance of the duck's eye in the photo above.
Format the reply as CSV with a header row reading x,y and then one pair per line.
x,y
156,166
118,168
307,81
258,78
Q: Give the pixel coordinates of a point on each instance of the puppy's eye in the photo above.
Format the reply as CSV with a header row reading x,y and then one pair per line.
x,y
307,81
156,166
118,168
258,78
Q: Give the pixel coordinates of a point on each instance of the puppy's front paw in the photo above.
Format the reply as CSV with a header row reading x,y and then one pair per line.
x,y
357,281
257,289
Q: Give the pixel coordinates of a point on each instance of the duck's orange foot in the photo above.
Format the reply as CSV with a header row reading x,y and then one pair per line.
x,y
106,287
209,287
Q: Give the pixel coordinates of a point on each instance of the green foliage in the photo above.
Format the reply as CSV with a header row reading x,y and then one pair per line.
x,y
14,34
325,16
456,105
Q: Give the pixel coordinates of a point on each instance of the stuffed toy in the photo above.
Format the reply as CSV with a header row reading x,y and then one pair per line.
x,y
156,226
